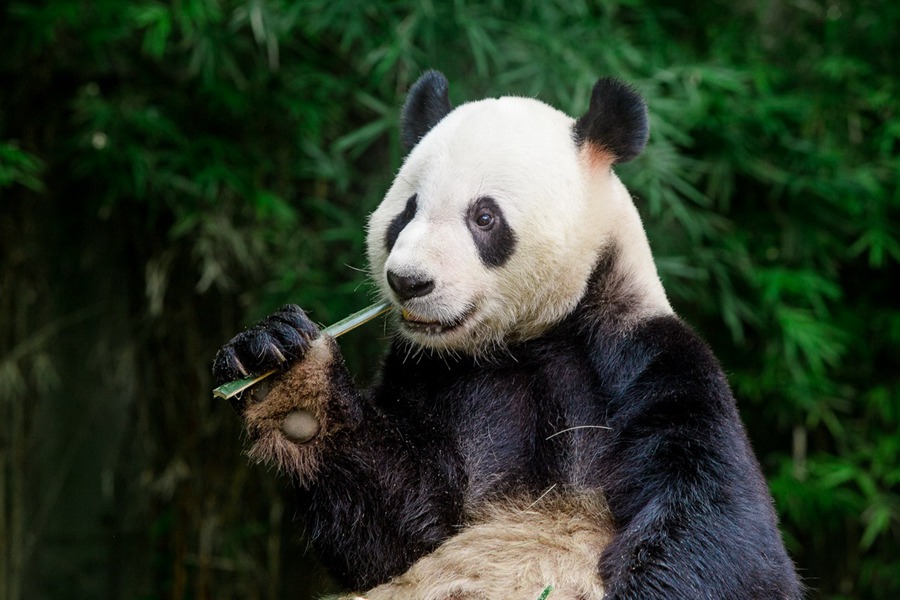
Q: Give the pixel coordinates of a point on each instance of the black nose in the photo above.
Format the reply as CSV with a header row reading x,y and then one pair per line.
x,y
409,287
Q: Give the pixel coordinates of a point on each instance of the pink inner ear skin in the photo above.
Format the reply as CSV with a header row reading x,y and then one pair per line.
x,y
597,157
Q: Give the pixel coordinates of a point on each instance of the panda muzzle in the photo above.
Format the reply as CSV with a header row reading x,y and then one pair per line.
x,y
416,323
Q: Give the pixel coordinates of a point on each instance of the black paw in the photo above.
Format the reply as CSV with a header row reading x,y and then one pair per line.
x,y
274,343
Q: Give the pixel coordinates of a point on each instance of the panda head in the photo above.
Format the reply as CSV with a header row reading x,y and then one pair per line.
x,y
492,228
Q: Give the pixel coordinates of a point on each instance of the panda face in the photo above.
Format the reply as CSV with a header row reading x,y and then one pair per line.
x,y
487,234
492,228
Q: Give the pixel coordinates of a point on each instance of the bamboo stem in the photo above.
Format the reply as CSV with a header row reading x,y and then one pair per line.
x,y
232,388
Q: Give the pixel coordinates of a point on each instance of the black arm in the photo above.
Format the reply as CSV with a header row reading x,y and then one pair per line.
x,y
375,493
694,515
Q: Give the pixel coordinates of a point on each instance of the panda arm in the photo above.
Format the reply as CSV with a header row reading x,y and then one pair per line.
x,y
382,499
694,516
376,496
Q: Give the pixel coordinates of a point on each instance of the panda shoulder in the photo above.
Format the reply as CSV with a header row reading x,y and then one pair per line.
x,y
657,360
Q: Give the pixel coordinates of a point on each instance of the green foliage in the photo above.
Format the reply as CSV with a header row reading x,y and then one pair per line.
x,y
217,158
18,167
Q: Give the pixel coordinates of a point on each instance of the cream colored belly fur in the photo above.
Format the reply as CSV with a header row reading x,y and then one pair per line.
x,y
513,551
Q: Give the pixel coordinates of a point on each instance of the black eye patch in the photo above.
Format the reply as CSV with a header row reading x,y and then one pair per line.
x,y
494,238
399,222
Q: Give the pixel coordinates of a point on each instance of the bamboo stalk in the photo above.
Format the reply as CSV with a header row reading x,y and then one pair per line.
x,y
232,388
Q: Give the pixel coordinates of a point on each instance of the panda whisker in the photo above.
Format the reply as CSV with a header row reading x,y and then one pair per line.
x,y
422,352
358,269
541,497
576,427
409,350
505,349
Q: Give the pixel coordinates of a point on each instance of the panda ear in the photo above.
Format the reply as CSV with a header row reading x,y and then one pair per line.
x,y
615,127
426,104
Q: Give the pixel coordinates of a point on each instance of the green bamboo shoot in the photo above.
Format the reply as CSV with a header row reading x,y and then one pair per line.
x,y
232,388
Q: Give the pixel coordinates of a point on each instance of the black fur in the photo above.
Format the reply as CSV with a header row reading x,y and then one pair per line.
x,y
496,242
426,104
275,342
400,222
692,511
616,121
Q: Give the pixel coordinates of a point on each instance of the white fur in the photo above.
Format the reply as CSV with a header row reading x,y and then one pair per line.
x,y
563,205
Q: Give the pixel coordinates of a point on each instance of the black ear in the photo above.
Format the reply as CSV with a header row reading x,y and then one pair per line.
x,y
426,104
616,122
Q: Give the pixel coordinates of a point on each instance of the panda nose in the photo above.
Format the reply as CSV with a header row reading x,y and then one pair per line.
x,y
409,287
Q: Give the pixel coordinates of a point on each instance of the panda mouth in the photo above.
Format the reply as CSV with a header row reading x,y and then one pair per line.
x,y
420,325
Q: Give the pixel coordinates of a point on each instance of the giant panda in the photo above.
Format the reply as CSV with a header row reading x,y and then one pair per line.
x,y
542,417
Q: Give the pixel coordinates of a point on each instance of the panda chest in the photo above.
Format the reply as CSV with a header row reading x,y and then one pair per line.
x,y
527,427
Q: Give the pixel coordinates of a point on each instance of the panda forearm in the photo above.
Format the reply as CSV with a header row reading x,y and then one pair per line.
x,y
693,508
694,531
677,548
377,495
378,504
662,555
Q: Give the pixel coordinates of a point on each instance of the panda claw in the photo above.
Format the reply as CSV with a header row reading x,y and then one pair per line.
x,y
278,353
239,365
273,343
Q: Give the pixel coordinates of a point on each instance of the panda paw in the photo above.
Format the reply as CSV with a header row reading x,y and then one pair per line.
x,y
274,343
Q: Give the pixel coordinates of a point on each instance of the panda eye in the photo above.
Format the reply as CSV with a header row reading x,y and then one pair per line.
x,y
485,219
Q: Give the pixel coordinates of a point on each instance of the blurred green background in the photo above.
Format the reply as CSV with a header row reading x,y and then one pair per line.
x,y
171,171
